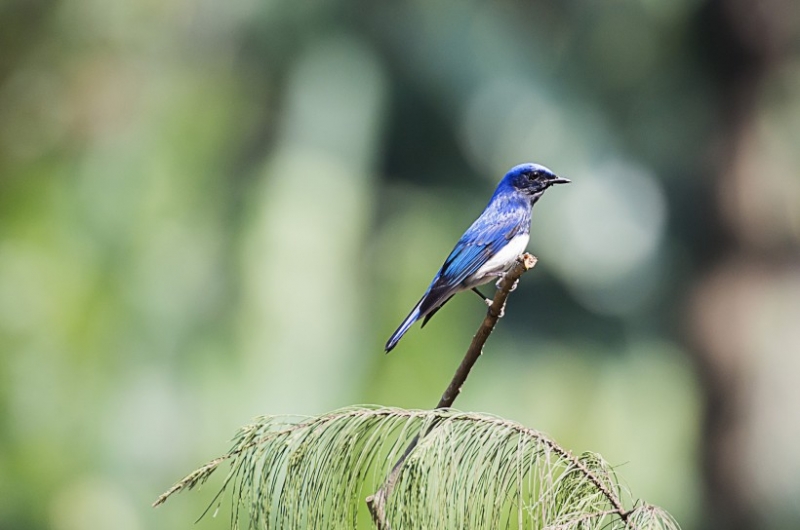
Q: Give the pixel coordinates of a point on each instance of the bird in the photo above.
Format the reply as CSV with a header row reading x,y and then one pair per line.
x,y
489,247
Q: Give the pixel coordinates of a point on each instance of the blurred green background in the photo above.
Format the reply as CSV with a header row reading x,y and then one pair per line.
x,y
214,210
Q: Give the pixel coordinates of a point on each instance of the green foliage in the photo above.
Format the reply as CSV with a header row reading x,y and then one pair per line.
x,y
470,471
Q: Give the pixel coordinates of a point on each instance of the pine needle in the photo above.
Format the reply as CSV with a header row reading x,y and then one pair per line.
x,y
470,471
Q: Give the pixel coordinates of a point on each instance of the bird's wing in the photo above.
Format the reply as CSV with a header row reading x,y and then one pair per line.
x,y
487,235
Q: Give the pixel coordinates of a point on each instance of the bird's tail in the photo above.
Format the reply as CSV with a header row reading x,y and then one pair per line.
x,y
407,323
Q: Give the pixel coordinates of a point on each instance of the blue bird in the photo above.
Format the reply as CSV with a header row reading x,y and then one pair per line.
x,y
489,248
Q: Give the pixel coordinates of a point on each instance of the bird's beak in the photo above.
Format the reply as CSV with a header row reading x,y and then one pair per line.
x,y
559,180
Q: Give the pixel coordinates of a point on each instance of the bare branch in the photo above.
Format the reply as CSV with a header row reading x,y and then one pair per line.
x,y
377,501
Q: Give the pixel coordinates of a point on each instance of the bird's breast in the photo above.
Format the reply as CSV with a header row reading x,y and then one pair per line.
x,y
502,260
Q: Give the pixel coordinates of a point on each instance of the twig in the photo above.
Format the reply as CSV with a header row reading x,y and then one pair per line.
x,y
614,499
377,501
191,480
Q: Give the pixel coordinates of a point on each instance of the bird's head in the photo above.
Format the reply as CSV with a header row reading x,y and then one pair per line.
x,y
532,179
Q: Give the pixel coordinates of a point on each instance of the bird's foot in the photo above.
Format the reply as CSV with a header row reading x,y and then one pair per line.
x,y
486,299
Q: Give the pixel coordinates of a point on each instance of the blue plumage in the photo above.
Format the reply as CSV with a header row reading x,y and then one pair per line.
x,y
490,245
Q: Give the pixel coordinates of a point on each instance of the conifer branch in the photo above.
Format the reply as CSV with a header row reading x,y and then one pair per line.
x,y
457,470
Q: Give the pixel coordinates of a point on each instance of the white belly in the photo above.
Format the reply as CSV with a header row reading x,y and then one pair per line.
x,y
500,262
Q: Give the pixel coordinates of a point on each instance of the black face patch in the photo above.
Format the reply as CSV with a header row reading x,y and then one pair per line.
x,y
532,182
531,179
